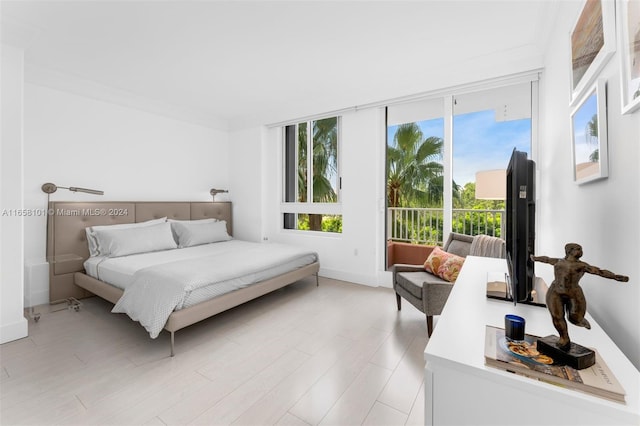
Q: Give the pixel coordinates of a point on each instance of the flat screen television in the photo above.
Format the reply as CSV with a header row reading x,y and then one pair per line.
x,y
520,227
520,224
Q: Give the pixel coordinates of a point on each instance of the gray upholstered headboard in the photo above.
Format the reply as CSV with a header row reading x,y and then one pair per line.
x,y
67,247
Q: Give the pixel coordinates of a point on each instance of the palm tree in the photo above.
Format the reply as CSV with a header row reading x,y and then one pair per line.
x,y
324,163
302,162
325,159
592,126
414,168
591,134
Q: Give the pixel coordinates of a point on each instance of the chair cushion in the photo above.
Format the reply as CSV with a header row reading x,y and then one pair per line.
x,y
458,244
412,281
445,265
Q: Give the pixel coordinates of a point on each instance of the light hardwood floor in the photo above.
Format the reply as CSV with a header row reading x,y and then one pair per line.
x,y
337,354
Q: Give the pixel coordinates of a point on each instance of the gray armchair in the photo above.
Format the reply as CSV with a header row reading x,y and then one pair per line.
x,y
429,293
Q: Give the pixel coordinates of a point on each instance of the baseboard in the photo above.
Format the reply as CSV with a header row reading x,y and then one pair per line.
x,y
385,279
382,279
14,331
369,280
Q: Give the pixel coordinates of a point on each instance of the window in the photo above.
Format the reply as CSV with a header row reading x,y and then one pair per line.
x,y
487,126
311,176
415,143
436,147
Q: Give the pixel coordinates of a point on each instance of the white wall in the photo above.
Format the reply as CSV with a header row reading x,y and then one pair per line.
x,y
13,325
602,216
246,184
354,255
72,140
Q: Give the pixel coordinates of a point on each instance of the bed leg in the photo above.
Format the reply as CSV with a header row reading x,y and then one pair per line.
x,y
172,343
317,280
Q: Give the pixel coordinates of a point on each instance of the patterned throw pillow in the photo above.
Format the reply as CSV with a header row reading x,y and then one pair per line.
x,y
445,265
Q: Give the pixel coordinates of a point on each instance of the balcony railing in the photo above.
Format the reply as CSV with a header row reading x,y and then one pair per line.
x,y
425,225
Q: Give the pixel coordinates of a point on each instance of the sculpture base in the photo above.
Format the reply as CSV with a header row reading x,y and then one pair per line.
x,y
577,356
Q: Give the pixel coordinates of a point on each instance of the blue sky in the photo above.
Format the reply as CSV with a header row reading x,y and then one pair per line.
x,y
479,142
584,145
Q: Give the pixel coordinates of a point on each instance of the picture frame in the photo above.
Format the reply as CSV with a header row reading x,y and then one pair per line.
x,y
593,43
629,47
589,146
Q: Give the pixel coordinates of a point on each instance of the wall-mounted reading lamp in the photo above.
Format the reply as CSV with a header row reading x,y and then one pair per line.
x,y
50,188
215,192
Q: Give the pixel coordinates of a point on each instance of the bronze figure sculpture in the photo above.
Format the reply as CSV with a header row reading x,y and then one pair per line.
x,y
565,294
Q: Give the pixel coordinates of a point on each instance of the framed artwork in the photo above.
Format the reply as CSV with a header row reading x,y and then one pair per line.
x,y
629,39
589,135
593,40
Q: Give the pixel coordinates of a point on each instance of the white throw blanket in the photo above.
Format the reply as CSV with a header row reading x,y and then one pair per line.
x,y
158,290
487,246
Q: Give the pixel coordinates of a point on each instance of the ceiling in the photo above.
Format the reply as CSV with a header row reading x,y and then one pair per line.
x,y
234,64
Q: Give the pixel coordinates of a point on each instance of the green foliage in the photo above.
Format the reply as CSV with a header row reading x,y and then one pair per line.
x,y
324,161
467,200
415,180
303,222
330,223
302,162
472,223
428,225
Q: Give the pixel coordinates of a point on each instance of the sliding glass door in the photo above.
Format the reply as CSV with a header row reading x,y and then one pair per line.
x,y
445,161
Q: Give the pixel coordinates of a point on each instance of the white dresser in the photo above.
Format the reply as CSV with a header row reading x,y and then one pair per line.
x,y
460,389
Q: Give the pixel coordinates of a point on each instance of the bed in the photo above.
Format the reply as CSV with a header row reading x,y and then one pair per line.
x,y
75,274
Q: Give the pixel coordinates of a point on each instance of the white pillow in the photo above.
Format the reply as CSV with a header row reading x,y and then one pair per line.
x,y
142,239
187,221
94,249
193,234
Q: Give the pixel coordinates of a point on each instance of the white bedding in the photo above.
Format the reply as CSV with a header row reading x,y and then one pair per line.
x,y
155,284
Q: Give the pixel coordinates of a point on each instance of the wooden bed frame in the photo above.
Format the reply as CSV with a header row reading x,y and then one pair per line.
x,y
67,250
